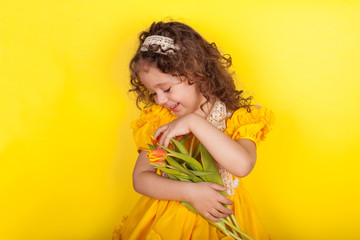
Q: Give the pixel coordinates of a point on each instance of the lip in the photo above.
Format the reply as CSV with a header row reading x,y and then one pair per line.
x,y
175,106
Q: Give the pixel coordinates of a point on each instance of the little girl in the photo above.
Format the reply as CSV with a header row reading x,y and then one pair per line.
x,y
186,87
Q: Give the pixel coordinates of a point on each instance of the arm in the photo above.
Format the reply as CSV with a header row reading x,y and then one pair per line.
x,y
238,157
147,182
203,196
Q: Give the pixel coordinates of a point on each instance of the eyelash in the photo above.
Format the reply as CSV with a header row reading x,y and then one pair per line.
x,y
166,90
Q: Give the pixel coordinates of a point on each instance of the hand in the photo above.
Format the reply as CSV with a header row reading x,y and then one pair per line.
x,y
206,199
178,127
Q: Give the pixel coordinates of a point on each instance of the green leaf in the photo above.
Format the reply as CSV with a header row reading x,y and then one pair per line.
x,y
185,157
189,166
174,172
192,145
180,146
184,179
183,139
152,147
172,162
177,178
200,173
172,176
196,151
209,166
178,160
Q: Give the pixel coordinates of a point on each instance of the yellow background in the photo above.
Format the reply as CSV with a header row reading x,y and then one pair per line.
x,y
66,148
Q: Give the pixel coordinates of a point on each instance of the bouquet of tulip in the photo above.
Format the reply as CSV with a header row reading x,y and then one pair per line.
x,y
181,164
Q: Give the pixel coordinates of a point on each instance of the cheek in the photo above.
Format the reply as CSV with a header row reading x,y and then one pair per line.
x,y
194,93
187,94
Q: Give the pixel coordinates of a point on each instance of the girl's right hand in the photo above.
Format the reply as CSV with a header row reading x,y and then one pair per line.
x,y
206,199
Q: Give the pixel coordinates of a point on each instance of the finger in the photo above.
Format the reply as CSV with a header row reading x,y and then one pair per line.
x,y
167,139
225,200
218,187
218,214
224,210
211,217
160,130
164,137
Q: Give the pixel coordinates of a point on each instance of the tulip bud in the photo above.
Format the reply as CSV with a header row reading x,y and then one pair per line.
x,y
157,155
155,141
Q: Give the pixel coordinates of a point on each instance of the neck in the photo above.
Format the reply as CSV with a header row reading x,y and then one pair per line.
x,y
206,108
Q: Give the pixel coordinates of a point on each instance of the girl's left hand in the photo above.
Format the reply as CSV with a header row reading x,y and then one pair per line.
x,y
178,127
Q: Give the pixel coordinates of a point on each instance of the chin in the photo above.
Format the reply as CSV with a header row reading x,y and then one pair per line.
x,y
179,114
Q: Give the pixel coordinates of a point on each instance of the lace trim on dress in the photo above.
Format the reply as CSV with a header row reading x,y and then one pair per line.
x,y
217,118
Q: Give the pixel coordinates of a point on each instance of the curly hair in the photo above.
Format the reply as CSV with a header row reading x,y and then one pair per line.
x,y
198,60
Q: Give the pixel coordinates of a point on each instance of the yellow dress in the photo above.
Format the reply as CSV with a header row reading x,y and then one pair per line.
x,y
153,219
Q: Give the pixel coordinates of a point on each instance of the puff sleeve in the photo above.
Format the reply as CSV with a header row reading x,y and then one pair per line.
x,y
145,126
254,125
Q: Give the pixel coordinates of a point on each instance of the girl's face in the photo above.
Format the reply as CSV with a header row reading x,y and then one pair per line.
x,y
169,91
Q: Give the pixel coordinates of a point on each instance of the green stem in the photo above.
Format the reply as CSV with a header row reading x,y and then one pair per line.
x,y
220,225
234,236
230,220
192,145
235,228
233,219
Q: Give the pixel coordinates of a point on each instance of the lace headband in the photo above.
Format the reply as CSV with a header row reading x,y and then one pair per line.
x,y
159,44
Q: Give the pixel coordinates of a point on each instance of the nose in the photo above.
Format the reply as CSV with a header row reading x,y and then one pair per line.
x,y
160,99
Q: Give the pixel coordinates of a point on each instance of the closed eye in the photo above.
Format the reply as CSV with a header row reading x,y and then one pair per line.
x,y
166,90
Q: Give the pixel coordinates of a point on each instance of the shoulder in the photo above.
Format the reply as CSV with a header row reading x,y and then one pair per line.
x,y
149,120
252,123
252,114
154,115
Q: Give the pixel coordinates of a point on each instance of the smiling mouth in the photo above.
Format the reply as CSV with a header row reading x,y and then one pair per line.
x,y
174,106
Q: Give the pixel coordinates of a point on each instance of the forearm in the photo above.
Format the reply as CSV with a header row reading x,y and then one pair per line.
x,y
227,152
148,183
158,187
